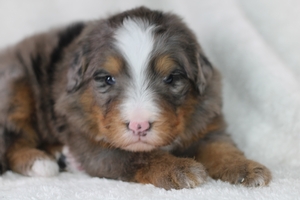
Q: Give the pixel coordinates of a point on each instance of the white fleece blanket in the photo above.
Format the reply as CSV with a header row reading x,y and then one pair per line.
x,y
255,44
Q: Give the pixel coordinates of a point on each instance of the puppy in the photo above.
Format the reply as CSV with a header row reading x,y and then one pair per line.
x,y
132,96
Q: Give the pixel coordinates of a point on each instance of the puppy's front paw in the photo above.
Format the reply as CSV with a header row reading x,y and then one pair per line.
x,y
33,162
256,175
177,173
247,173
43,168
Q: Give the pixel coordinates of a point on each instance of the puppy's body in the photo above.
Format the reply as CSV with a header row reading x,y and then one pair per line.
x,y
130,96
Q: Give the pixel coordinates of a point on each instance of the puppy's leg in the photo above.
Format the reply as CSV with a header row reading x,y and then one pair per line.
x,y
223,160
157,167
25,159
167,171
22,155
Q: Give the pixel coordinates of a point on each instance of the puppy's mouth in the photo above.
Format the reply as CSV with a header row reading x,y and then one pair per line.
x,y
139,146
140,143
148,141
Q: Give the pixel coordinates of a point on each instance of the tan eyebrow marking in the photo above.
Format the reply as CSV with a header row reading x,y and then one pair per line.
x,y
164,65
113,65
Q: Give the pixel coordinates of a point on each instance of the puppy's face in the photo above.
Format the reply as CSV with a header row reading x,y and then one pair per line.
x,y
138,84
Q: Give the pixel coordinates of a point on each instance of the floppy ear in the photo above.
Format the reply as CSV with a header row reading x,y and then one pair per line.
x,y
205,72
76,72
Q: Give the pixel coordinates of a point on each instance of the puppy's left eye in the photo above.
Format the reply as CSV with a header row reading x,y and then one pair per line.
x,y
169,79
109,80
174,77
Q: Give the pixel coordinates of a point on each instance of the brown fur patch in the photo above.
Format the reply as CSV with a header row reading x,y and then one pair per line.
x,y
101,126
113,65
53,149
166,171
224,161
168,126
22,109
184,113
164,65
93,114
110,127
21,154
21,157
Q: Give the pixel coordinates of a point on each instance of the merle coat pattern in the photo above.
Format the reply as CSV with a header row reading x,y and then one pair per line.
x,y
69,87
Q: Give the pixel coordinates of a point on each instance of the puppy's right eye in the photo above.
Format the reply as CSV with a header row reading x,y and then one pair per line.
x,y
104,82
109,80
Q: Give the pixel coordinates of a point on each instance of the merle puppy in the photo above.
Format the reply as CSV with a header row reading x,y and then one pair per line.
x,y
132,96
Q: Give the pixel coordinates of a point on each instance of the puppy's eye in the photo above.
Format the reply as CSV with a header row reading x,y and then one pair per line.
x,y
104,82
109,80
169,79
174,77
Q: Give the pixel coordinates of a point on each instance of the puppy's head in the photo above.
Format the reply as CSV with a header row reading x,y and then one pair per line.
x,y
136,80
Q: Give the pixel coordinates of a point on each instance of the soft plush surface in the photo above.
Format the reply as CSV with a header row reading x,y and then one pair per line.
x,y
68,186
255,44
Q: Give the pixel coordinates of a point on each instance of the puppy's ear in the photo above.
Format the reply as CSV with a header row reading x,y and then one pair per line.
x,y
76,72
205,72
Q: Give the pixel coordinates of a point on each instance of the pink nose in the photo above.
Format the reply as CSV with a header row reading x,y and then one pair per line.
x,y
139,128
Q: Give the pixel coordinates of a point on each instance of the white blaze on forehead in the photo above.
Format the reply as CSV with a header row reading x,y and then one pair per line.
x,y
135,41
